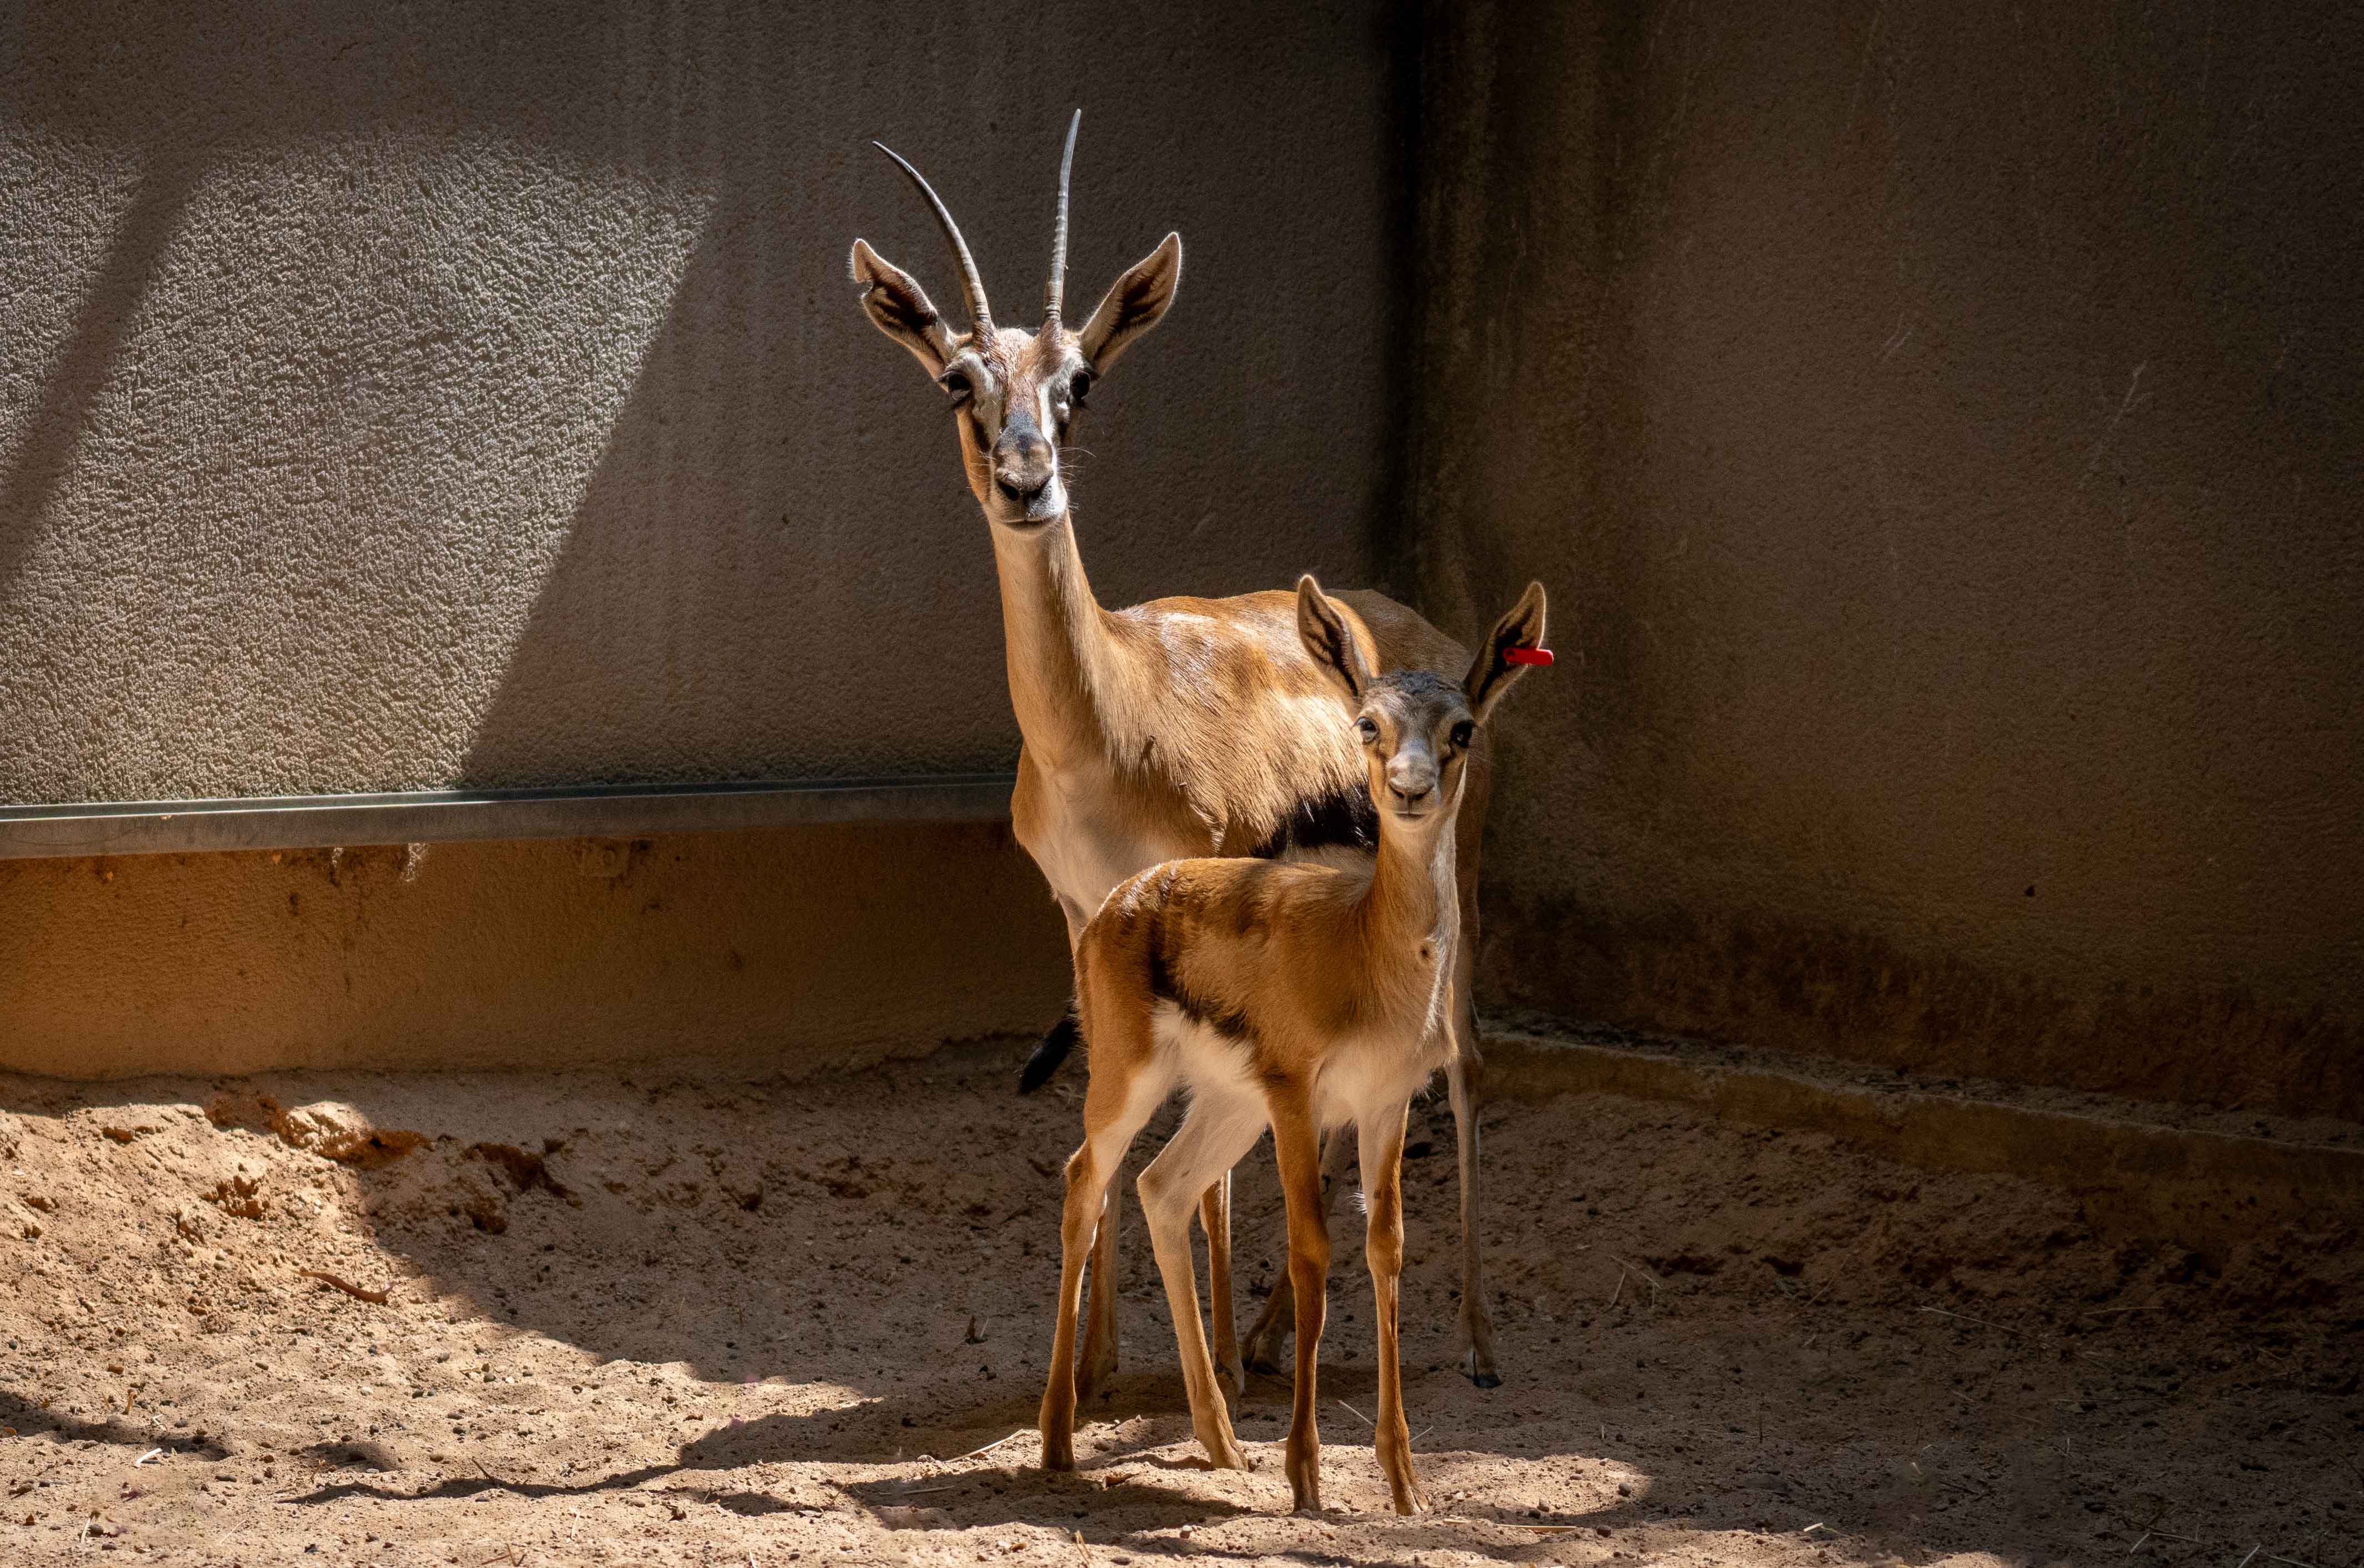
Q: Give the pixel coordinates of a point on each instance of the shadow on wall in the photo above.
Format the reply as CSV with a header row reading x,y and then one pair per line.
x,y
1938,420
479,398
81,366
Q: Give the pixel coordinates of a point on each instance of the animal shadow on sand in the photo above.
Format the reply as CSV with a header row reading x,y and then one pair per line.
x,y
25,1417
1141,1429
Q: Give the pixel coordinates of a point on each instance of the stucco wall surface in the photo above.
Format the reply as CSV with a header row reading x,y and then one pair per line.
x,y
1938,426
780,949
438,394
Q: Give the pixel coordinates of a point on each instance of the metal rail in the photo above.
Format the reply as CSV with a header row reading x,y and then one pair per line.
x,y
601,811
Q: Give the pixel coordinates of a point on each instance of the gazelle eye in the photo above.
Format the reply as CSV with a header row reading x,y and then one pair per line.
x,y
955,383
1463,733
1078,388
1370,731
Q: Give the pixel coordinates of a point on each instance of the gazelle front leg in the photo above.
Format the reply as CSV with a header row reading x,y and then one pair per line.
x,y
1382,1157
1298,1148
1273,1324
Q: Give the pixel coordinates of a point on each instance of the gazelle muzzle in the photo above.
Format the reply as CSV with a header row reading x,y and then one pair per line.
x,y
1026,471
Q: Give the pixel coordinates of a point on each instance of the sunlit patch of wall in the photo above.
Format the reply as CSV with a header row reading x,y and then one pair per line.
x,y
324,478
463,395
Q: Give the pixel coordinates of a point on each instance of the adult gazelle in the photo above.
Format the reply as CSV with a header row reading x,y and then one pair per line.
x,y
1178,727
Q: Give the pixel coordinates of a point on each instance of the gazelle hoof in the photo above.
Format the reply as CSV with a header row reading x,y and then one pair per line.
x,y
1481,1371
1260,1353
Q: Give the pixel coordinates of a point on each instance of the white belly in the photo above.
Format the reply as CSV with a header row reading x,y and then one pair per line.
x,y
1364,1079
1085,844
1209,1064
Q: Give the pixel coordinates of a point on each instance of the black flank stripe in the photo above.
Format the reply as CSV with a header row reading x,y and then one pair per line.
x,y
1346,819
1166,986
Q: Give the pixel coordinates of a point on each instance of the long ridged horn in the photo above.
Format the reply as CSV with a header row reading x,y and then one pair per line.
x,y
980,313
1055,293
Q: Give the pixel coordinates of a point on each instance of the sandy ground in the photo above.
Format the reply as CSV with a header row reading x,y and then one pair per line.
x,y
631,1318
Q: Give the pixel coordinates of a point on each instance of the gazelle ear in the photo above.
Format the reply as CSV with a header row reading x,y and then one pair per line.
x,y
1135,302
1493,670
900,308
1329,640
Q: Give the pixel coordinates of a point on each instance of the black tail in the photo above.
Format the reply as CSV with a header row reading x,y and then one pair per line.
x,y
1050,1053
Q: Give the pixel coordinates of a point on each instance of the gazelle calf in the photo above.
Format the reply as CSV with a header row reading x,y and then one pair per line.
x,y
1295,995
1176,728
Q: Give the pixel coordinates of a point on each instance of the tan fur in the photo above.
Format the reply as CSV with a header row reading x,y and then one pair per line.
x,y
1175,728
1306,997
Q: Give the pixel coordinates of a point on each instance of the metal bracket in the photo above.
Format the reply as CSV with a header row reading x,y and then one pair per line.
x,y
616,811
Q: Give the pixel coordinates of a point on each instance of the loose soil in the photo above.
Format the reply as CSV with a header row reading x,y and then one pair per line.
x,y
633,1318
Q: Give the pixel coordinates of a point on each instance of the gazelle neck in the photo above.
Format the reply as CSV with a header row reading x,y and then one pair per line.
x,y
1414,894
1054,644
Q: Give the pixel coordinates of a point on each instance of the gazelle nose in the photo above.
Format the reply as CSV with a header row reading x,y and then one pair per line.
x,y
1023,465
1412,777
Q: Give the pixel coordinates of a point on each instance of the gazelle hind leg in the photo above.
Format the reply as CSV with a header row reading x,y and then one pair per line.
x,y
1476,1330
1260,1351
1279,1315
1123,1092
1215,1218
1100,1323
1087,1186
1214,1135
1464,1076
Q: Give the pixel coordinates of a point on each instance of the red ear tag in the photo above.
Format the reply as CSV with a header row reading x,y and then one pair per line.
x,y
1526,656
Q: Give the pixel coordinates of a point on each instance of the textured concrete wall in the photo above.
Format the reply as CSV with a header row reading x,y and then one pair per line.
x,y
407,395
774,950
448,394
1937,425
